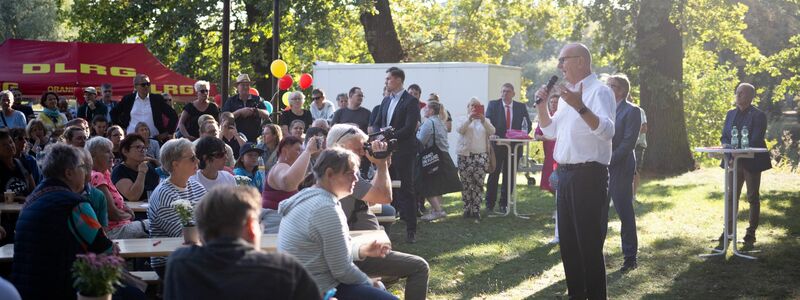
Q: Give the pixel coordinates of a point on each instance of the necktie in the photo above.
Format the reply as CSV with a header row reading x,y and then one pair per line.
x,y
508,116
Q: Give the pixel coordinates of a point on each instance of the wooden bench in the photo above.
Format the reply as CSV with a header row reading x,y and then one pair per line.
x,y
386,219
147,276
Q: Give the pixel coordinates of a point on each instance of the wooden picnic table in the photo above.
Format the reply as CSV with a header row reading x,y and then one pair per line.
x,y
152,247
136,206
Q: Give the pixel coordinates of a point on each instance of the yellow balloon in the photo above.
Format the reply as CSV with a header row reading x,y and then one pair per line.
x,y
285,99
278,68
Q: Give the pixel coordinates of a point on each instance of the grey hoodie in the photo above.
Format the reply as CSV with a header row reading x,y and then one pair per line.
x,y
314,230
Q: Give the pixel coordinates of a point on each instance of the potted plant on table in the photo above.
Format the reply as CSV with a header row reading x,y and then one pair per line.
x,y
185,212
96,275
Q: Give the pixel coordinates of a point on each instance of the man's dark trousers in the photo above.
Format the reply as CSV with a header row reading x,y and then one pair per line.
x,y
620,189
404,199
582,219
501,155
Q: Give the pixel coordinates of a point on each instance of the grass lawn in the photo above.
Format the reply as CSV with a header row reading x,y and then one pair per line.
x,y
677,218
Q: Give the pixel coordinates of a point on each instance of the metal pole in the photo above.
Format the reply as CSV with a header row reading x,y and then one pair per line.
x,y
226,42
276,40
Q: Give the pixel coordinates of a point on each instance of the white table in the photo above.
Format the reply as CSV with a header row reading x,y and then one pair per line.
x,y
513,147
729,234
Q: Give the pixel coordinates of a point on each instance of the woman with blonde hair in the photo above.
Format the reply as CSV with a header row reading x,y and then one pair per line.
x,y
473,156
432,134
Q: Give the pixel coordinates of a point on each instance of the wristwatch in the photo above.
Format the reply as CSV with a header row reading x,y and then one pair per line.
x,y
582,110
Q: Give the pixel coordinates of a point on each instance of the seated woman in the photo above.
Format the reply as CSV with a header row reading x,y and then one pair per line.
x,y
55,225
136,176
270,137
285,177
297,128
151,145
315,230
95,197
121,223
14,177
209,127
211,153
230,135
115,135
38,138
18,135
50,116
247,165
179,160
295,112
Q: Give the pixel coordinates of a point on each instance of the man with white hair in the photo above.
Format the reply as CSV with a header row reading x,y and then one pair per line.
x,y
583,128
356,208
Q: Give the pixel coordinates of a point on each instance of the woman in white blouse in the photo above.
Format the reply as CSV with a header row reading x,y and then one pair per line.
x,y
473,157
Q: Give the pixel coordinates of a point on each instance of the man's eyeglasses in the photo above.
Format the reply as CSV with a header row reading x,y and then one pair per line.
x,y
562,59
144,84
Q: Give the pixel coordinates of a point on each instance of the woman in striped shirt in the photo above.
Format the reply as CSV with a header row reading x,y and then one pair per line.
x,y
178,159
315,230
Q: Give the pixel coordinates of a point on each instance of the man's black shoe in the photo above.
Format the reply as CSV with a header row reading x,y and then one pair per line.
x,y
628,266
411,237
749,239
502,210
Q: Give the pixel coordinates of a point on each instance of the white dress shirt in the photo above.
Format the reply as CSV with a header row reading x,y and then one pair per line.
x,y
575,141
142,112
393,100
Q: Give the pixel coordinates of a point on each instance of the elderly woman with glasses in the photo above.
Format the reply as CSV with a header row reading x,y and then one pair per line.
x,y
179,160
203,105
296,112
121,223
136,176
55,225
213,157
151,145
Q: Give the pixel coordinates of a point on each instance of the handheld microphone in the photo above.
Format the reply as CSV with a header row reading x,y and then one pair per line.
x,y
549,86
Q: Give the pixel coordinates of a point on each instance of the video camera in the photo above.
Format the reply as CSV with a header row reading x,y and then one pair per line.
x,y
386,135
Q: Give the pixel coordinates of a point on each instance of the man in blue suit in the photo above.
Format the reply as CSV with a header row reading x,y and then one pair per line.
x,y
745,114
401,111
504,113
621,170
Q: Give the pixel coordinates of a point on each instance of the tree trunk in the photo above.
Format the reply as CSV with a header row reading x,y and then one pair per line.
x,y
660,54
260,51
381,37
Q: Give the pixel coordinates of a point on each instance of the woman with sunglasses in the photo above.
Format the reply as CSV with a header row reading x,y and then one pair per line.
x,y
136,176
179,160
187,124
213,157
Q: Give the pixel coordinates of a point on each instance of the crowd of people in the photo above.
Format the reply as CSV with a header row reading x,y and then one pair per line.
x,y
309,174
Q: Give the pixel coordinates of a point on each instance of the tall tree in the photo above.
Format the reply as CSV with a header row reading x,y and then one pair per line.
x,y
380,34
659,46
30,19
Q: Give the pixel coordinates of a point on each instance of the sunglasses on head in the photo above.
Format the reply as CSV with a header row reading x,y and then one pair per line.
x,y
348,132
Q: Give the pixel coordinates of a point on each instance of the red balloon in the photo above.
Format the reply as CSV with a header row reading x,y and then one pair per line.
x,y
305,80
254,92
285,82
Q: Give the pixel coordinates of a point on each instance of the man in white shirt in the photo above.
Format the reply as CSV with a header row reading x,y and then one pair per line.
x,y
143,106
583,130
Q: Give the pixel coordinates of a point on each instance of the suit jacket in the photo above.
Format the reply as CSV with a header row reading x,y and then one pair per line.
x,y
496,112
756,122
164,117
627,124
404,121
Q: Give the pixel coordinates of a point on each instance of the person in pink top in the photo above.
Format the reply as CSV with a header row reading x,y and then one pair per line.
x,y
121,223
550,163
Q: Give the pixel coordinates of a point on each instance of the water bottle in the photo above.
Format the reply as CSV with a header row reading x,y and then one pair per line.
x,y
525,125
745,138
734,138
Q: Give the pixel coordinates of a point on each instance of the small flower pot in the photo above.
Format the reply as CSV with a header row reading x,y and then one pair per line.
x,y
104,297
190,235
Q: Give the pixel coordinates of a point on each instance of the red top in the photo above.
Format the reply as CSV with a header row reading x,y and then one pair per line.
x,y
271,197
549,164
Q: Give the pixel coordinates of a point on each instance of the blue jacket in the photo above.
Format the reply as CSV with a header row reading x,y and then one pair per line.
x,y
756,122
44,247
627,124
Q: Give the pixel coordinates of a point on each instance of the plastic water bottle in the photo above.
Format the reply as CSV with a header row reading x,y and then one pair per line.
x,y
734,138
745,138
525,125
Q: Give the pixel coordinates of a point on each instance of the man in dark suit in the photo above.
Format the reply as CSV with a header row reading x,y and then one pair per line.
x,y
499,112
401,111
143,106
627,123
746,115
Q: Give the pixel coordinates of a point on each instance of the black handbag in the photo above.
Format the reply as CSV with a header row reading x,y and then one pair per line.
x,y
430,158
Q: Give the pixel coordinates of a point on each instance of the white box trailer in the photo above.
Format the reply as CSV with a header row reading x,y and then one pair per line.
x,y
454,82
